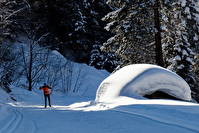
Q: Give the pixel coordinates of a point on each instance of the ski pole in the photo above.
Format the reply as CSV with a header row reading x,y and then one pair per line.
x,y
42,99
53,98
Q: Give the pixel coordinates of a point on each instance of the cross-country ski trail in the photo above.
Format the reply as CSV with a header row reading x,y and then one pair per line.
x,y
12,122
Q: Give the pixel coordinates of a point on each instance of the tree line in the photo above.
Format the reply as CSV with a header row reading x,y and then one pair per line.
x,y
107,34
158,32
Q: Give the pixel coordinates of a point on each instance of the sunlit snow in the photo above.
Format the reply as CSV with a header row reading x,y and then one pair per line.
x,y
142,79
80,113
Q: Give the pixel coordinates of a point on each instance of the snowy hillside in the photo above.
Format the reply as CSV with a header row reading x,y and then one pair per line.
x,y
79,113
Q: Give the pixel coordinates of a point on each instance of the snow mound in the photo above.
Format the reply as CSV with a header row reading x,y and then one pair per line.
x,y
141,79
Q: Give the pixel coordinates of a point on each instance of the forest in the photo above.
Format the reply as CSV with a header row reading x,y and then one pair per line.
x,y
105,34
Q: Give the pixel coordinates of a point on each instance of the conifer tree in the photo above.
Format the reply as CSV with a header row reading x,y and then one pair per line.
x,y
77,26
177,45
133,26
191,15
98,58
179,34
8,10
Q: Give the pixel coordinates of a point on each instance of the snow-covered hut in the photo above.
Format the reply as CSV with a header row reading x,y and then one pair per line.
x,y
146,80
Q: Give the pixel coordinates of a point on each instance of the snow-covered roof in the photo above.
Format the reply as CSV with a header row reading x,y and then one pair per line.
x,y
142,79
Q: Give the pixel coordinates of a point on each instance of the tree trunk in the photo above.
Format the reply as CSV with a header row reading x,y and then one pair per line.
x,y
158,49
30,68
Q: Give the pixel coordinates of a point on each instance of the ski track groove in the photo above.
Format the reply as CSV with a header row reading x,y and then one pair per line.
x,y
13,123
153,119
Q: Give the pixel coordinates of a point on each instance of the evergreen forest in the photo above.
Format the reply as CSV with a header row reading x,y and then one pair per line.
x,y
105,34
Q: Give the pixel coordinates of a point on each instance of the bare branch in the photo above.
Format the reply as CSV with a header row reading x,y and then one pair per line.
x,y
15,12
42,37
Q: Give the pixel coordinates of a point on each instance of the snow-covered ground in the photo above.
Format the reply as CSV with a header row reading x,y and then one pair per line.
x,y
73,113
80,113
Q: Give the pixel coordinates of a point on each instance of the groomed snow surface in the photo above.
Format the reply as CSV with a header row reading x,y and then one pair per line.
x,y
121,113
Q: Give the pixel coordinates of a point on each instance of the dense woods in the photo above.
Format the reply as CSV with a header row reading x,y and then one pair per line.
x,y
102,33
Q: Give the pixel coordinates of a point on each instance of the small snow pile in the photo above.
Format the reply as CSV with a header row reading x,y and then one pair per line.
x,y
142,79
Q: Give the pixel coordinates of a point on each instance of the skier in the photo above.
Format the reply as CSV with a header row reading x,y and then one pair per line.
x,y
46,88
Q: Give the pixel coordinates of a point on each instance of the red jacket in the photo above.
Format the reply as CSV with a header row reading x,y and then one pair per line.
x,y
46,89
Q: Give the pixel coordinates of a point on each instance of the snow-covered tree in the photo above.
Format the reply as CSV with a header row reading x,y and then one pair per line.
x,y
135,28
98,58
132,23
177,46
103,60
8,10
77,26
88,30
191,15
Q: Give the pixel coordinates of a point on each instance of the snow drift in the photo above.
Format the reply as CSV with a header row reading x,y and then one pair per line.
x,y
142,79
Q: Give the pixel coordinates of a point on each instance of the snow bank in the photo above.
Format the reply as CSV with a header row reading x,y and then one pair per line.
x,y
141,79
3,97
